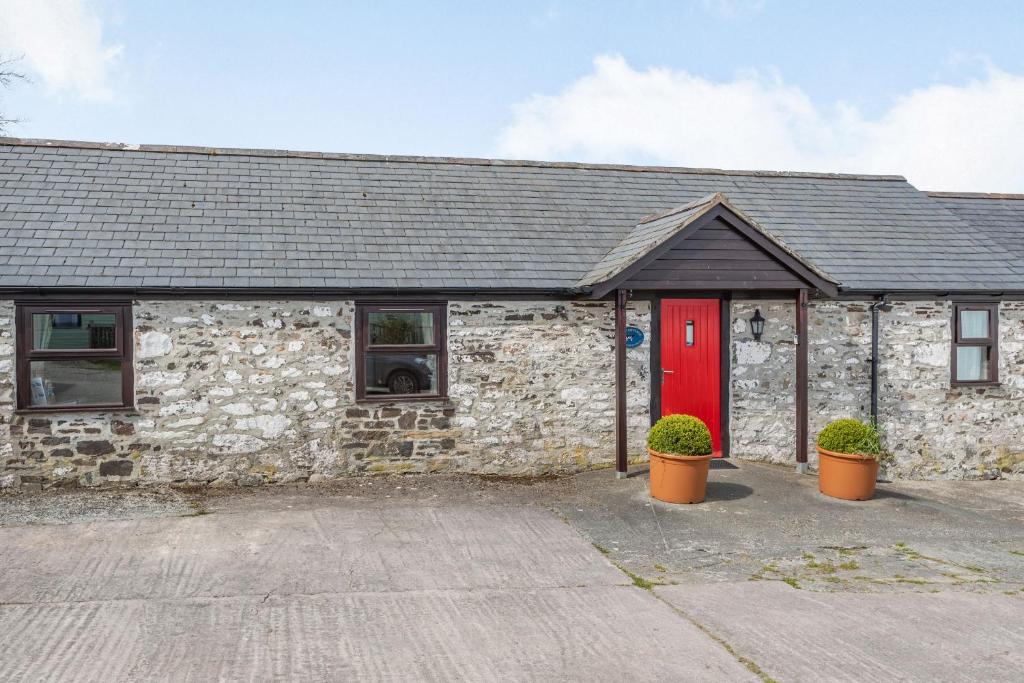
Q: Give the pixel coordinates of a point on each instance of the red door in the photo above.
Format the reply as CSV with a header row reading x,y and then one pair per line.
x,y
690,362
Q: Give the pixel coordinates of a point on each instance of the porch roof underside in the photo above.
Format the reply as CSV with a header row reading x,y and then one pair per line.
x,y
111,216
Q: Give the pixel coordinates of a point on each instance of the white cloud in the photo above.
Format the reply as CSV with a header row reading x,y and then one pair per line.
x,y
731,9
62,44
965,137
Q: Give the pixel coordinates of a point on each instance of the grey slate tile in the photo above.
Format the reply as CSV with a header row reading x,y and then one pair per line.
x,y
248,217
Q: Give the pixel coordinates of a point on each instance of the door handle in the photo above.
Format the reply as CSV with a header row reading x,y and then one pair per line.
x,y
668,372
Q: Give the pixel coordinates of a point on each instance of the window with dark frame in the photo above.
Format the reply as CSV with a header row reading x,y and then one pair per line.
x,y
401,351
74,357
975,343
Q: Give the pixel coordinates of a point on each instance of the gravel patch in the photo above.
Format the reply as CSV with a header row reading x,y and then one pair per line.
x,y
93,505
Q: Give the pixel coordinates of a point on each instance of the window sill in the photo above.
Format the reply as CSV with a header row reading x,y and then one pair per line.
x,y
122,410
967,385
402,399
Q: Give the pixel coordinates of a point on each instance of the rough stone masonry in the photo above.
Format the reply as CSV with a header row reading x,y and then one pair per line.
x,y
250,392
247,392
932,429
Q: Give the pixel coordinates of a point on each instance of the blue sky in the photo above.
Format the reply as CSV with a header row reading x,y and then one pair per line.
x,y
927,89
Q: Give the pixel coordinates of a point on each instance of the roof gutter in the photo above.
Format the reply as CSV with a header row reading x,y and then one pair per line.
x,y
912,294
281,292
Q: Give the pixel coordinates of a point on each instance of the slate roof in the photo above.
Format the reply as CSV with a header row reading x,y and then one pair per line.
x,y
94,215
997,217
649,233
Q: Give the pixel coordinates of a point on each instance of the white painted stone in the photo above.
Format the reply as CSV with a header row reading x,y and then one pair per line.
x,y
239,443
272,426
574,393
322,311
241,408
933,354
159,378
750,352
187,422
190,407
154,344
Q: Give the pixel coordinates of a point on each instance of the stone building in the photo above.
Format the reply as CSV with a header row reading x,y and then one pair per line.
x,y
236,317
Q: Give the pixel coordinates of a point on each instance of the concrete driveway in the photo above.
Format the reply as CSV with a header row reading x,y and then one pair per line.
x,y
304,586
462,578
923,583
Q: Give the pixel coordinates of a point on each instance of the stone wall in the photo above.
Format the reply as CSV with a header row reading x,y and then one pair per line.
x,y
933,430
6,391
762,398
943,432
838,365
250,392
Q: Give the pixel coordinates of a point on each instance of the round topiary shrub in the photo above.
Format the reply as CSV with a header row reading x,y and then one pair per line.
x,y
852,437
680,435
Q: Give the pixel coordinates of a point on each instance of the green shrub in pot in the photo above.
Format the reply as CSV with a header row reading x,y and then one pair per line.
x,y
853,437
680,435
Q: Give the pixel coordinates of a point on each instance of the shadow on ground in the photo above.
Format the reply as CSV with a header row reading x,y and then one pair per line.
x,y
764,522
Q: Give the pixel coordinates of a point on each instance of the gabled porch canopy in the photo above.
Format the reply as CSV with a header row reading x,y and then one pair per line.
x,y
708,244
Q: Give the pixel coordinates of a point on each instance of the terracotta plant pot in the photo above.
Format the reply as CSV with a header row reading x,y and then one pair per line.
x,y
846,476
679,478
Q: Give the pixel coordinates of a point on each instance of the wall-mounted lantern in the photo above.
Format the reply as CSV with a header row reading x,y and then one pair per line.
x,y
757,324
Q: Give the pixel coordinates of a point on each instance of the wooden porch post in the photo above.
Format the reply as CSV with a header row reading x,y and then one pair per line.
x,y
801,380
620,383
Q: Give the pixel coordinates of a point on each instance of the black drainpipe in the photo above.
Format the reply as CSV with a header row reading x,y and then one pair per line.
x,y
882,305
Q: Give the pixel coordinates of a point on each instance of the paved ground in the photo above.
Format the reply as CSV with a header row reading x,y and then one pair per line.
x,y
445,578
292,585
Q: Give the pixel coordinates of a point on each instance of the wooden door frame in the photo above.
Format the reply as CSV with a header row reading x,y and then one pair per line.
x,y
725,355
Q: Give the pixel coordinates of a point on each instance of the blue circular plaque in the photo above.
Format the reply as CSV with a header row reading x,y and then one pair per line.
x,y
634,337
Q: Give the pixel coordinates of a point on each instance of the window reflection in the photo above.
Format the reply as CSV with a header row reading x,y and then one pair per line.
x,y
400,374
401,327
73,331
75,382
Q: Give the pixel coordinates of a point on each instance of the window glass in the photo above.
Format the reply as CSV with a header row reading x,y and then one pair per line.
x,y
689,333
400,327
52,331
400,374
971,363
973,324
75,382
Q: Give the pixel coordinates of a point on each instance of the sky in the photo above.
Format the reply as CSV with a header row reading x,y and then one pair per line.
x,y
930,90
